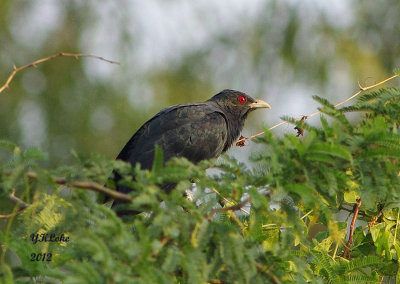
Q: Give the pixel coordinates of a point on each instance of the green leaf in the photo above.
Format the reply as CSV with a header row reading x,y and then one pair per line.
x,y
351,196
361,262
332,150
34,154
317,157
172,260
375,230
7,145
158,159
305,192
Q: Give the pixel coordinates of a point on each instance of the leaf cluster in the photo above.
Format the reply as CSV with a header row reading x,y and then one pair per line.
x,y
293,228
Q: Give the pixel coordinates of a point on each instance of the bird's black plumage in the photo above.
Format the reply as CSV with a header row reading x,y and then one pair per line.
x,y
196,131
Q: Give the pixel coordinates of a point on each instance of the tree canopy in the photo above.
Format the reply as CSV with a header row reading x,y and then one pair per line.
x,y
323,208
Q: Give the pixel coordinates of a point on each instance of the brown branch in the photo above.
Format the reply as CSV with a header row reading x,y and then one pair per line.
x,y
162,243
346,253
273,278
230,208
39,61
62,181
22,206
264,269
362,89
226,200
87,185
6,216
215,281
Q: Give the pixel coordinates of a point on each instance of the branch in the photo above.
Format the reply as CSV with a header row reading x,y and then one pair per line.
x,y
346,253
35,63
6,216
22,206
264,269
215,281
62,181
87,185
227,200
362,89
230,208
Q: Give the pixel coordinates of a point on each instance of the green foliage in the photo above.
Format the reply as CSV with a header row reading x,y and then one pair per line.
x,y
292,231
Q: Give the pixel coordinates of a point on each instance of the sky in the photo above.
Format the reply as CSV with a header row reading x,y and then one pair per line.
x,y
160,32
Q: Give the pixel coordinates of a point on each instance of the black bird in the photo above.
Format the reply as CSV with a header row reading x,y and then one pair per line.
x,y
196,131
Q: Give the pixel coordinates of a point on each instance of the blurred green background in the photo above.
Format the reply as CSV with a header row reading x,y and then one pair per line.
x,y
179,51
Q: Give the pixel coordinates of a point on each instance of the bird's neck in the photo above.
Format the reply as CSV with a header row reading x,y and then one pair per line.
x,y
234,123
235,127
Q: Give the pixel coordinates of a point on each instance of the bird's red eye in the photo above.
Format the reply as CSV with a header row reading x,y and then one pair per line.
x,y
242,99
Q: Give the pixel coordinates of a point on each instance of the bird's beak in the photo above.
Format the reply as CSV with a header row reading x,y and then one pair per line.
x,y
259,104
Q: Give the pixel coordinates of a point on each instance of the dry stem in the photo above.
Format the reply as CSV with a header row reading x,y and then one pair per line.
x,y
235,207
87,185
362,89
35,63
346,253
22,206
62,181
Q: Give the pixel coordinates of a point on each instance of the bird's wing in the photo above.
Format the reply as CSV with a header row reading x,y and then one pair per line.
x,y
195,131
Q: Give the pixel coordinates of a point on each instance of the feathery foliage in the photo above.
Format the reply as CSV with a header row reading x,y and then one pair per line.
x,y
291,229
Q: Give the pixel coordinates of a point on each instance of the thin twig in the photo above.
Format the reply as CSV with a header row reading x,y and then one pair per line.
x,y
230,208
397,226
6,216
87,185
362,89
62,181
305,215
35,63
162,243
22,206
346,253
215,281
228,201
374,219
273,278
264,269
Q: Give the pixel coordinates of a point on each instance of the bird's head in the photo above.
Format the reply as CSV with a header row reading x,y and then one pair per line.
x,y
237,103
